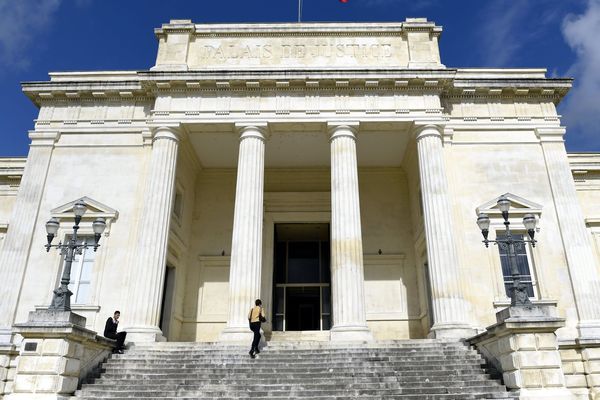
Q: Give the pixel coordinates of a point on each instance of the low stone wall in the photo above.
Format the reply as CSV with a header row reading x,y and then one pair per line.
x,y
523,346
581,365
8,365
56,354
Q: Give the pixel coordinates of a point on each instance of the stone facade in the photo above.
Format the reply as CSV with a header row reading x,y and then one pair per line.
x,y
239,129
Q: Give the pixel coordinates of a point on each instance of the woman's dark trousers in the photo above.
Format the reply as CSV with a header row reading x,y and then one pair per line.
x,y
255,327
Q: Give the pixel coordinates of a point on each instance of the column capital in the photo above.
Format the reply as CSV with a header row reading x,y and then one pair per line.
x,y
43,138
425,130
340,129
554,134
259,130
166,132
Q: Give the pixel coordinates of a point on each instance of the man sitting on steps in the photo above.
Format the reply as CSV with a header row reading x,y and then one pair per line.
x,y
110,331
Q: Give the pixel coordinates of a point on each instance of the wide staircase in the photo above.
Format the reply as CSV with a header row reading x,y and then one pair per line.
x,y
412,369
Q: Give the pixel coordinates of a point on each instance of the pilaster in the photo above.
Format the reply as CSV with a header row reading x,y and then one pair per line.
x,y
576,242
23,222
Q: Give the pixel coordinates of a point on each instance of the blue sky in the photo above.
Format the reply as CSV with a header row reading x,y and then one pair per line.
x,y
38,36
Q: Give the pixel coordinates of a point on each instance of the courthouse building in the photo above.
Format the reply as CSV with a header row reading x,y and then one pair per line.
x,y
334,170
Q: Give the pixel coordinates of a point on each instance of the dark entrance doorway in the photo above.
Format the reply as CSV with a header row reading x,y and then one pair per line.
x,y
301,278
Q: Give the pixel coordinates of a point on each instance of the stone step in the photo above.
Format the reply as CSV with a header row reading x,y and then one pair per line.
x,y
436,370
323,384
297,392
470,396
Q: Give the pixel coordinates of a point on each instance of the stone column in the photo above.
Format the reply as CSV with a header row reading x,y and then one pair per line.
x,y
449,306
22,223
576,238
148,272
246,243
347,275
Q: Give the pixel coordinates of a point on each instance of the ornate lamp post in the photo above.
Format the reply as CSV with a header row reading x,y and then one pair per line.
x,y
62,295
518,295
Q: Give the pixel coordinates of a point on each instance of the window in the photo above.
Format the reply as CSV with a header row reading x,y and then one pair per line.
x,y
178,204
81,272
523,265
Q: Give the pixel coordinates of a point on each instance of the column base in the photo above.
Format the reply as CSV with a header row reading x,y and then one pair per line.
x,y
589,329
451,331
351,333
236,334
144,334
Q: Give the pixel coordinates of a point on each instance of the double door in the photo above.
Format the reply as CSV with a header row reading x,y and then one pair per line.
x,y
301,279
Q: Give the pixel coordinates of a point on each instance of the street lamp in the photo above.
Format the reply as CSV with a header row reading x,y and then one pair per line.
x,y
61,301
518,296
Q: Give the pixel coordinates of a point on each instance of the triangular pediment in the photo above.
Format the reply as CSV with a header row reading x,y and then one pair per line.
x,y
95,209
519,205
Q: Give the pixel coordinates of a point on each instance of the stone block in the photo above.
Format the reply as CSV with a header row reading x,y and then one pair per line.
x,y
513,380
4,361
72,367
531,378
573,367
509,362
593,380
553,377
592,367
538,359
44,365
525,342
546,341
591,354
27,364
570,355
56,347
24,383
575,381
67,384
505,345
46,384
11,373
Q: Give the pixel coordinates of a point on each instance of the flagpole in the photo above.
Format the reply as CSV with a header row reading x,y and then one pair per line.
x,y
299,10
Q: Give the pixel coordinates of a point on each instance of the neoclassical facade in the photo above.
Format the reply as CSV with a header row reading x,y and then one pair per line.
x,y
333,170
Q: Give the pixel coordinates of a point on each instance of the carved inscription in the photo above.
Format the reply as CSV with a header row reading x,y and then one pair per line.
x,y
284,51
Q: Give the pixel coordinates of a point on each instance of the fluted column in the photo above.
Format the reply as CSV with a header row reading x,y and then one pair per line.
x,y
347,275
575,236
22,223
246,243
148,273
449,306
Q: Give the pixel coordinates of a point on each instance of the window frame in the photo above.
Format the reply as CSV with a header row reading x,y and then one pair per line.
x,y
516,228
77,269
530,263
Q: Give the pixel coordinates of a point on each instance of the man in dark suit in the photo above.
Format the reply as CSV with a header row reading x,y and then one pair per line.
x,y
110,331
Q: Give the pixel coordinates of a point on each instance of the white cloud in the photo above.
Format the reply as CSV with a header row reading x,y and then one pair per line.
x,y
20,22
506,27
581,109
